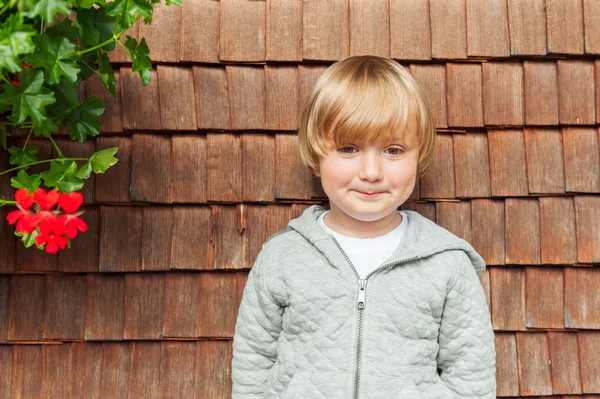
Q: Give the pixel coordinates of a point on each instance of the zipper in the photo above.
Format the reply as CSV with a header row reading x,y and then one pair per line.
x,y
361,303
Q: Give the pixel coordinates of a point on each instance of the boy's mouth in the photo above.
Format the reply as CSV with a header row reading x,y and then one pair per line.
x,y
372,194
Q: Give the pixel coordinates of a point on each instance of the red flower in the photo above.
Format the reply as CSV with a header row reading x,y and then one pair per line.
x,y
72,224
16,82
25,219
51,234
70,202
24,199
26,65
46,200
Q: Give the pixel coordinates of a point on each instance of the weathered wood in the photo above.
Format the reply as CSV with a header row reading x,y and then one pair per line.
x,y
56,371
369,24
284,30
307,78
246,86
199,34
257,219
576,92
281,97
325,32
177,369
212,98
26,315
6,365
120,239
27,371
83,256
589,352
410,37
582,302
182,304
213,369
527,27
188,169
105,313
557,228
472,165
545,298
591,22
224,168
116,363
565,26
540,81
564,358
456,217
144,305
64,316
488,226
144,381
4,309
86,370
487,27
150,168
432,79
218,308
8,252
522,231
157,232
258,154
242,19
448,29
229,248
139,102
112,118
533,364
162,35
113,185
176,93
438,181
465,104
502,92
587,214
293,180
424,209
507,286
192,225
508,169
506,365
582,160
545,167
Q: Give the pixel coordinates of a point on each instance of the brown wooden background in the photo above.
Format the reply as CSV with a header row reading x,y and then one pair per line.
x,y
144,304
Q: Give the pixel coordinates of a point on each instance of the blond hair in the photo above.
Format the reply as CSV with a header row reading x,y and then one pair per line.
x,y
364,98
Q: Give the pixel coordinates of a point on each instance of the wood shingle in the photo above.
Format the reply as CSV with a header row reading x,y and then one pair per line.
x,y
456,217
150,168
116,365
281,96
104,307
182,304
229,240
112,118
540,82
487,28
527,27
64,315
502,93
144,370
488,227
589,361
120,238
157,231
177,369
199,40
522,231
56,369
508,169
369,27
471,165
26,315
582,305
144,305
224,183
139,104
506,365
325,32
242,18
211,98
258,155
86,369
410,36
246,87
575,93
219,304
565,26
557,230
565,361
192,225
448,29
292,179
545,166
438,182
284,31
582,160
188,168
213,370
464,93
26,371
4,307
507,287
432,79
176,92
587,214
162,36
113,185
6,364
83,256
545,297
533,364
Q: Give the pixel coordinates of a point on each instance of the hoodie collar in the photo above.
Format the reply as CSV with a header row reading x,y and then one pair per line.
x,y
422,238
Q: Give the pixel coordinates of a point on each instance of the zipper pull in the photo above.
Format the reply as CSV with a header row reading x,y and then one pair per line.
x,y
362,293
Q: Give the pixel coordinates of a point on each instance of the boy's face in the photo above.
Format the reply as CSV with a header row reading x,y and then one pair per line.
x,y
368,181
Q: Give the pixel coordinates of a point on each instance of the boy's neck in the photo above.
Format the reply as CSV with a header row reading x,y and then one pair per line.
x,y
344,224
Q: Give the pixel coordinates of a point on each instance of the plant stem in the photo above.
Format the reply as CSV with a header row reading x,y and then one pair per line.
x,y
39,162
114,38
7,202
28,136
8,5
88,65
60,155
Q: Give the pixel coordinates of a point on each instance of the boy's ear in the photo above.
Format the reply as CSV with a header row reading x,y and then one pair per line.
x,y
317,173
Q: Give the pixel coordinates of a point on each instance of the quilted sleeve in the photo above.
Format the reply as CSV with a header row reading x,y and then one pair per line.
x,y
256,332
467,356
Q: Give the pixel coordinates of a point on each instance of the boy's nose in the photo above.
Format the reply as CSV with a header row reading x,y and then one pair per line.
x,y
371,167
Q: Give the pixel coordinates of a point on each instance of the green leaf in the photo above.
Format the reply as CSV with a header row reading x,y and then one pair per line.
x,y
54,55
29,99
61,176
15,39
96,27
66,96
140,60
89,58
86,3
47,9
3,134
129,10
46,129
175,2
103,160
23,180
107,74
83,120
21,156
29,239
63,28
85,171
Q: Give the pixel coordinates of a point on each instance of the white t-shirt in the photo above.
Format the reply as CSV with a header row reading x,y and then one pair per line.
x,y
367,254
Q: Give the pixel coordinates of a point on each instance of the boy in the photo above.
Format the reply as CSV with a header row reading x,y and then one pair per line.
x,y
364,301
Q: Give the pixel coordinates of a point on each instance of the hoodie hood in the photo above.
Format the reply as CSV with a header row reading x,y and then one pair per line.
x,y
422,238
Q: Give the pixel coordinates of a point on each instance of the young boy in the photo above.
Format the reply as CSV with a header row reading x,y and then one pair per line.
x,y
364,301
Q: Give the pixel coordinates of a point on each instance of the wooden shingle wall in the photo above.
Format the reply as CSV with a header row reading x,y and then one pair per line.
x,y
144,304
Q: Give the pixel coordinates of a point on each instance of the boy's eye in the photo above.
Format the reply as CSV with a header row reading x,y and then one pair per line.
x,y
394,151
347,150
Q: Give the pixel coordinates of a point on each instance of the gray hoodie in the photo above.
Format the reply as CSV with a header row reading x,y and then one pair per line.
x,y
416,327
